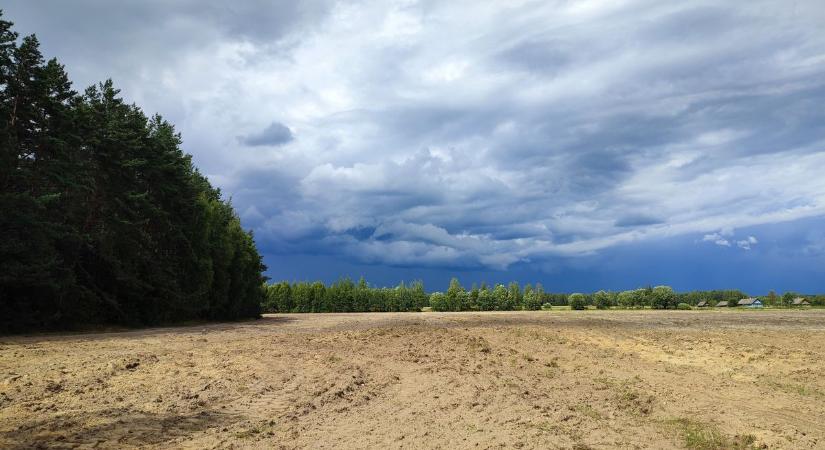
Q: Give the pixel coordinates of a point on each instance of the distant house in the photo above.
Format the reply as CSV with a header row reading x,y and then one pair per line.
x,y
799,301
722,303
702,304
750,303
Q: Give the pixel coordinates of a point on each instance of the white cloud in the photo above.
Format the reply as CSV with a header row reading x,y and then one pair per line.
x,y
746,244
722,238
480,133
717,239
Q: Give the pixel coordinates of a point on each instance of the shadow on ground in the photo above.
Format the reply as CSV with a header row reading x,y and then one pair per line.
x,y
113,426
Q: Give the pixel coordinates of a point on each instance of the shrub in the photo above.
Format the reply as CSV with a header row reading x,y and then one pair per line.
x,y
683,306
547,306
576,301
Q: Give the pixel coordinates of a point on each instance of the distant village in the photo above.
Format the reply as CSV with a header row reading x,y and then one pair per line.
x,y
799,302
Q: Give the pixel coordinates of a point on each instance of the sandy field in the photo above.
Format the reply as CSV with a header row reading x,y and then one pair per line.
x,y
548,379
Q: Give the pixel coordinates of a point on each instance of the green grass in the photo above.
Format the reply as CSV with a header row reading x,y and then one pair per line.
x,y
701,436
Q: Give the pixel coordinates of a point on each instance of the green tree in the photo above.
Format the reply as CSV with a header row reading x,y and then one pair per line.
x,y
514,296
438,301
533,297
105,220
642,297
577,301
601,300
486,301
456,296
626,299
787,299
500,298
772,299
419,296
663,297
473,298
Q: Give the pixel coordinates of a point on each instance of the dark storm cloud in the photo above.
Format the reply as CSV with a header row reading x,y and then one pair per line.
x,y
275,134
476,134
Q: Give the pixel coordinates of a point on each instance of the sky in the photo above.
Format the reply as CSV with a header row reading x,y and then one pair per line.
x,y
582,144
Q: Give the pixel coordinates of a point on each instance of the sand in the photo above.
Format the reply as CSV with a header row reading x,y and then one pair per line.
x,y
545,379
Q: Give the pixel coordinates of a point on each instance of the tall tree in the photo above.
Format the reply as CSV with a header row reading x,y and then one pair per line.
x,y
105,220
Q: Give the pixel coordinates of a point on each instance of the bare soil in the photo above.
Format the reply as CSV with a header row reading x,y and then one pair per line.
x,y
554,379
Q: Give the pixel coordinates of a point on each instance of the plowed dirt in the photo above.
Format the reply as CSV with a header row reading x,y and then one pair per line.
x,y
591,379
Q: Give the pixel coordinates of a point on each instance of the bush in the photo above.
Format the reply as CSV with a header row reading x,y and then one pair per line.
x,y
547,306
576,301
683,306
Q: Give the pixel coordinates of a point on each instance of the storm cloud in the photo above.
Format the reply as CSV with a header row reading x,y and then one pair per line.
x,y
477,135
275,134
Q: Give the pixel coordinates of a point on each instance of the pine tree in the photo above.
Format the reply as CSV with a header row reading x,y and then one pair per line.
x,y
105,220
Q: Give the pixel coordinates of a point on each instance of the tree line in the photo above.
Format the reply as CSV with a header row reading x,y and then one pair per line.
x,y
787,298
347,296
104,218
343,296
513,298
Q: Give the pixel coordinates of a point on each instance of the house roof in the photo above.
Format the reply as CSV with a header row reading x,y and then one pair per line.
x,y
748,301
722,303
800,301
702,303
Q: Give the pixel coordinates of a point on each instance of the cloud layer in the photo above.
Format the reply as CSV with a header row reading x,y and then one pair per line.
x,y
476,135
